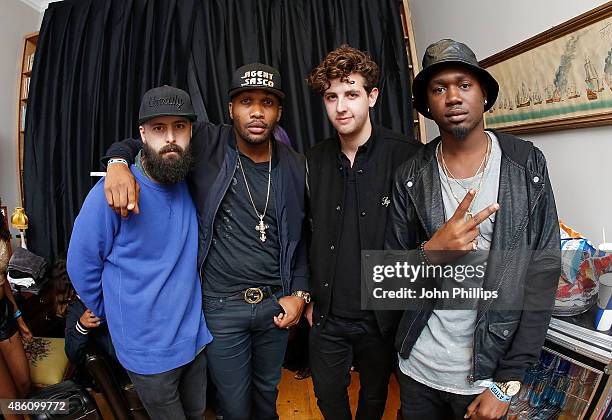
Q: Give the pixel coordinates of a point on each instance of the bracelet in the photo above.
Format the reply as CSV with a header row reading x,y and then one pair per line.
x,y
499,394
303,295
422,253
117,160
17,314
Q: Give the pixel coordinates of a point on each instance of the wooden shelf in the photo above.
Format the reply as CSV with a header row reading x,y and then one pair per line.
x,y
413,66
27,62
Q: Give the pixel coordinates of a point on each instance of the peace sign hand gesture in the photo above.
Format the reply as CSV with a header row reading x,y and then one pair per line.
x,y
459,233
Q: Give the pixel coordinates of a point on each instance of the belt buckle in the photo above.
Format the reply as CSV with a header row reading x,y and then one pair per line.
x,y
253,295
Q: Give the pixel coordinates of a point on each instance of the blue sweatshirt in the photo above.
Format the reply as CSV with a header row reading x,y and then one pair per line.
x,y
140,274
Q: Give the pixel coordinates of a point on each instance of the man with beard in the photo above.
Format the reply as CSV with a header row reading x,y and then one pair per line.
x,y
139,273
472,189
350,182
249,191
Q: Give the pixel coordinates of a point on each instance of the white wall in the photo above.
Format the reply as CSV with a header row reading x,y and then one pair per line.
x,y
16,20
579,161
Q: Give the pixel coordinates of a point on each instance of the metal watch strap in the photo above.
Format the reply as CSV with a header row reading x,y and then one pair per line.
x,y
302,294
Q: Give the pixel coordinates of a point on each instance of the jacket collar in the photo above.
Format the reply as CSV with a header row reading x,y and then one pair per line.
x,y
367,148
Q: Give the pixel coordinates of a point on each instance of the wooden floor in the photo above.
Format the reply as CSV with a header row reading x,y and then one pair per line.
x,y
296,399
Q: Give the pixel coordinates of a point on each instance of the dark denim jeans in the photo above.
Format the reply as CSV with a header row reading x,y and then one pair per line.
x,y
245,356
177,394
332,350
420,402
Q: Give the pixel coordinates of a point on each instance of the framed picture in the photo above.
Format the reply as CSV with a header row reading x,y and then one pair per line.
x,y
559,79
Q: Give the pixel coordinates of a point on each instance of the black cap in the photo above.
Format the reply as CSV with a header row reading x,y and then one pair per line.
x,y
163,101
256,76
444,53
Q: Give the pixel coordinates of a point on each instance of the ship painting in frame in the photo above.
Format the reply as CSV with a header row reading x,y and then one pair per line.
x,y
559,79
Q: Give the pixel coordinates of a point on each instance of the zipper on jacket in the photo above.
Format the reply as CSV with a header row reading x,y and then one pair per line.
x,y
470,377
278,229
410,327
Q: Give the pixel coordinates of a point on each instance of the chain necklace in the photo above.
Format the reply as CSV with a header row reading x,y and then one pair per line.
x,y
449,175
261,226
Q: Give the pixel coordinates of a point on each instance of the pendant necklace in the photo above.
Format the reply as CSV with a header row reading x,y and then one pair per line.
x,y
261,226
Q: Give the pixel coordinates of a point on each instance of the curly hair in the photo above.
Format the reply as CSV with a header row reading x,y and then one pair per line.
x,y
340,63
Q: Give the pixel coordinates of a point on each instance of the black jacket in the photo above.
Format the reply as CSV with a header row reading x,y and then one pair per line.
x,y
386,150
76,343
214,161
506,342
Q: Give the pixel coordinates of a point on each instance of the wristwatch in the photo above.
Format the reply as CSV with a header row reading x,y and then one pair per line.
x,y
302,294
510,388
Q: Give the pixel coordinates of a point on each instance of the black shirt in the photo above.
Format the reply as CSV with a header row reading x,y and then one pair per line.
x,y
238,259
346,293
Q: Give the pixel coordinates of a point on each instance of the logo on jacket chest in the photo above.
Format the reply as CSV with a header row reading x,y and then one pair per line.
x,y
385,201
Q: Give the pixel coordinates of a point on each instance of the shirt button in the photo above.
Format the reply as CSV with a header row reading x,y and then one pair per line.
x,y
360,171
409,184
326,284
322,316
363,213
536,179
332,247
340,167
318,324
338,207
505,333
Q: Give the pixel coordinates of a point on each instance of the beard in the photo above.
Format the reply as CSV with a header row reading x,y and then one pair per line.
x,y
167,170
460,132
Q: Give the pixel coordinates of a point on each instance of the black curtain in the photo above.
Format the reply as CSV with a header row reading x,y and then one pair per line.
x,y
95,59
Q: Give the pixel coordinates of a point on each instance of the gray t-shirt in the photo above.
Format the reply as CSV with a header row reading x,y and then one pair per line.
x,y
442,356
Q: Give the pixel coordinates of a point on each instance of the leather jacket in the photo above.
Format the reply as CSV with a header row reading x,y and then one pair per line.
x,y
526,234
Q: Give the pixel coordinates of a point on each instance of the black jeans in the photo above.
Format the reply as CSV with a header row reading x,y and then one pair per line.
x,y
245,356
177,394
332,350
420,402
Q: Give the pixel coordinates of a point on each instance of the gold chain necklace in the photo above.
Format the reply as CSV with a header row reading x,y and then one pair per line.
x,y
261,226
448,175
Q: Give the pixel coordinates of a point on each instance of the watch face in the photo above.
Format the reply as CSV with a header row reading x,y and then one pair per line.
x,y
513,388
